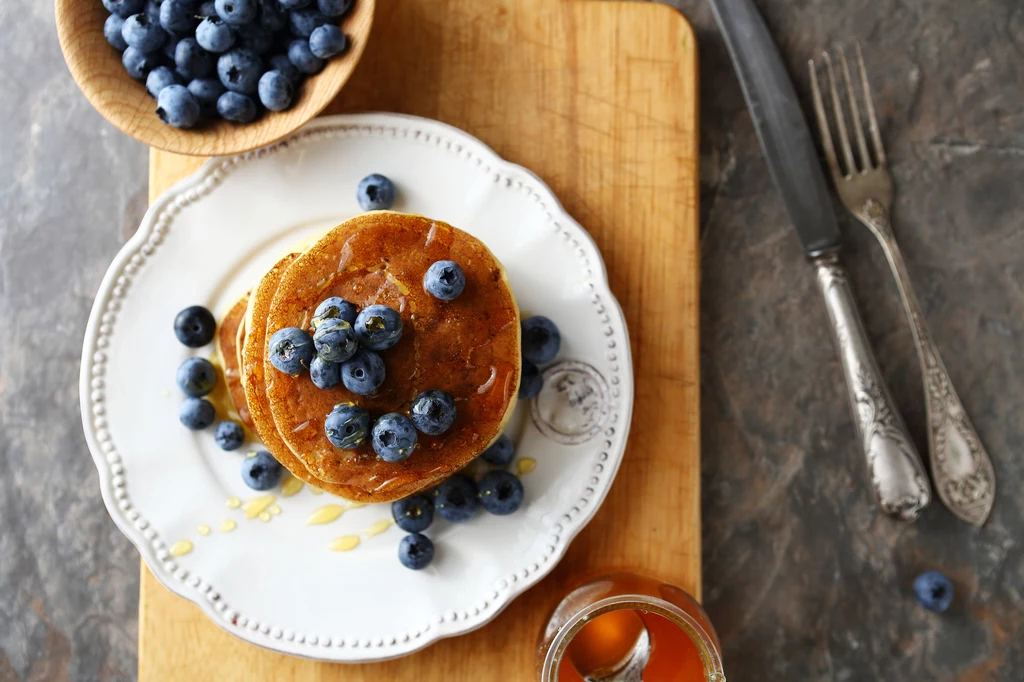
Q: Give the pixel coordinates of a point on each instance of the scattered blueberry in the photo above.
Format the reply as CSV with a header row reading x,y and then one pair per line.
x,y
152,10
138,64
444,280
324,374
335,341
541,339
530,381
206,91
433,412
335,307
239,70
294,4
272,15
303,21
500,492
195,326
280,62
347,426
177,16
112,32
214,35
334,8
196,377
176,106
261,472
327,41
378,327
415,551
291,350
394,437
256,38
196,413
158,79
229,435
934,591
192,61
501,452
375,192
413,514
236,12
303,58
364,373
142,34
124,8
234,106
276,90
455,499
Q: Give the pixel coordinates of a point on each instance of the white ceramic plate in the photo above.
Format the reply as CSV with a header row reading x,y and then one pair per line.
x,y
273,579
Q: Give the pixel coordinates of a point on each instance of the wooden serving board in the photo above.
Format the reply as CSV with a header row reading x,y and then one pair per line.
x,y
600,100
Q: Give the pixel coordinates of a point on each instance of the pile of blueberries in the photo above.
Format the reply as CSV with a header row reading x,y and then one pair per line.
x,y
195,327
227,58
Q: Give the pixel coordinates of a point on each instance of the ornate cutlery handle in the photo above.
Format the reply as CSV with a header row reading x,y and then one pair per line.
x,y
960,465
897,475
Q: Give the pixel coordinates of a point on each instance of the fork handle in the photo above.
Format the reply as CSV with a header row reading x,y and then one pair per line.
x,y
897,475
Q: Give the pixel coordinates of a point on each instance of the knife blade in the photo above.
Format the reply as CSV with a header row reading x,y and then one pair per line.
x,y
781,128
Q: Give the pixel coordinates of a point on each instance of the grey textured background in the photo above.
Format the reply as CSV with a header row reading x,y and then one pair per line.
x,y
804,580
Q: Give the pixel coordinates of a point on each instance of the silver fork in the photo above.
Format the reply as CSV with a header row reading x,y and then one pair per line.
x,y
960,466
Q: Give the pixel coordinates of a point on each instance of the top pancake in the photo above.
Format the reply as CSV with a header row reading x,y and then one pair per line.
x,y
468,347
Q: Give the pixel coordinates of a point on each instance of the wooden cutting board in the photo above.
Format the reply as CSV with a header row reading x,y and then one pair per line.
x,y
600,100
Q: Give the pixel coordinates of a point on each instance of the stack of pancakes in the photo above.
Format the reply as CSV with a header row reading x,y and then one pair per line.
x,y
468,347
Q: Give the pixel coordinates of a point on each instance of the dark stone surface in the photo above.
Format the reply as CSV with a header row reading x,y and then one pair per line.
x,y
803,578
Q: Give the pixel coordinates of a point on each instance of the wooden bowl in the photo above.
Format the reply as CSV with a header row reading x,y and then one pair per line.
x,y
123,101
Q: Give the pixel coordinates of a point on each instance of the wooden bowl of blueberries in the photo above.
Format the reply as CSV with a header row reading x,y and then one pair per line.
x,y
211,77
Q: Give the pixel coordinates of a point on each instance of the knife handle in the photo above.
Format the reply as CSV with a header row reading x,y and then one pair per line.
x,y
897,475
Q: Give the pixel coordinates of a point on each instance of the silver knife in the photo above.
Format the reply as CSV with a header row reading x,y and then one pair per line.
x,y
897,475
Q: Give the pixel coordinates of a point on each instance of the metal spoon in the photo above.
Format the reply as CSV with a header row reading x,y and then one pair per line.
x,y
630,668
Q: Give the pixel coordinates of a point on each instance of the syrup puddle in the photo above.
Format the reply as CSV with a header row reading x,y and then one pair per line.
x,y
180,548
346,543
257,505
228,525
525,465
203,529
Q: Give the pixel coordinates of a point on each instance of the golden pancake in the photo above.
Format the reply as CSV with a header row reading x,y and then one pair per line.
x,y
468,347
229,335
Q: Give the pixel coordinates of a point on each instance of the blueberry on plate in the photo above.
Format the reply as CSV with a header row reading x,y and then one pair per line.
x,y
444,280
138,63
324,374
455,499
500,492
195,326
347,426
413,514
239,70
207,91
415,551
934,591
334,8
303,21
236,12
196,413
272,15
234,106
500,452
124,8
433,412
214,35
541,339
261,472
335,341
393,437
177,16
291,350
142,34
363,373
375,193
196,377
158,79
327,41
229,435
280,62
176,106
378,327
530,382
335,307
112,32
276,90
303,58
192,61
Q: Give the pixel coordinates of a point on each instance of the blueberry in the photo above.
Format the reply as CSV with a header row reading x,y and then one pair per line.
x,y
195,326
138,64
256,38
142,34
152,10
327,41
335,341
347,426
176,106
433,412
303,59
324,374
236,107
334,8
294,4
112,32
261,472
393,437
934,591
272,16
206,91
196,413
214,35
500,452
303,21
237,12
196,377
192,61
378,327
170,45
276,90
239,70
500,492
335,307
124,8
415,551
455,499
375,193
291,350
364,373
208,8
229,435
280,62
444,280
158,79
178,17
530,381
541,339
413,514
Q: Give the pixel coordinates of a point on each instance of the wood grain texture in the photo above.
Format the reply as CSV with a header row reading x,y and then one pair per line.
x,y
97,69
600,100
